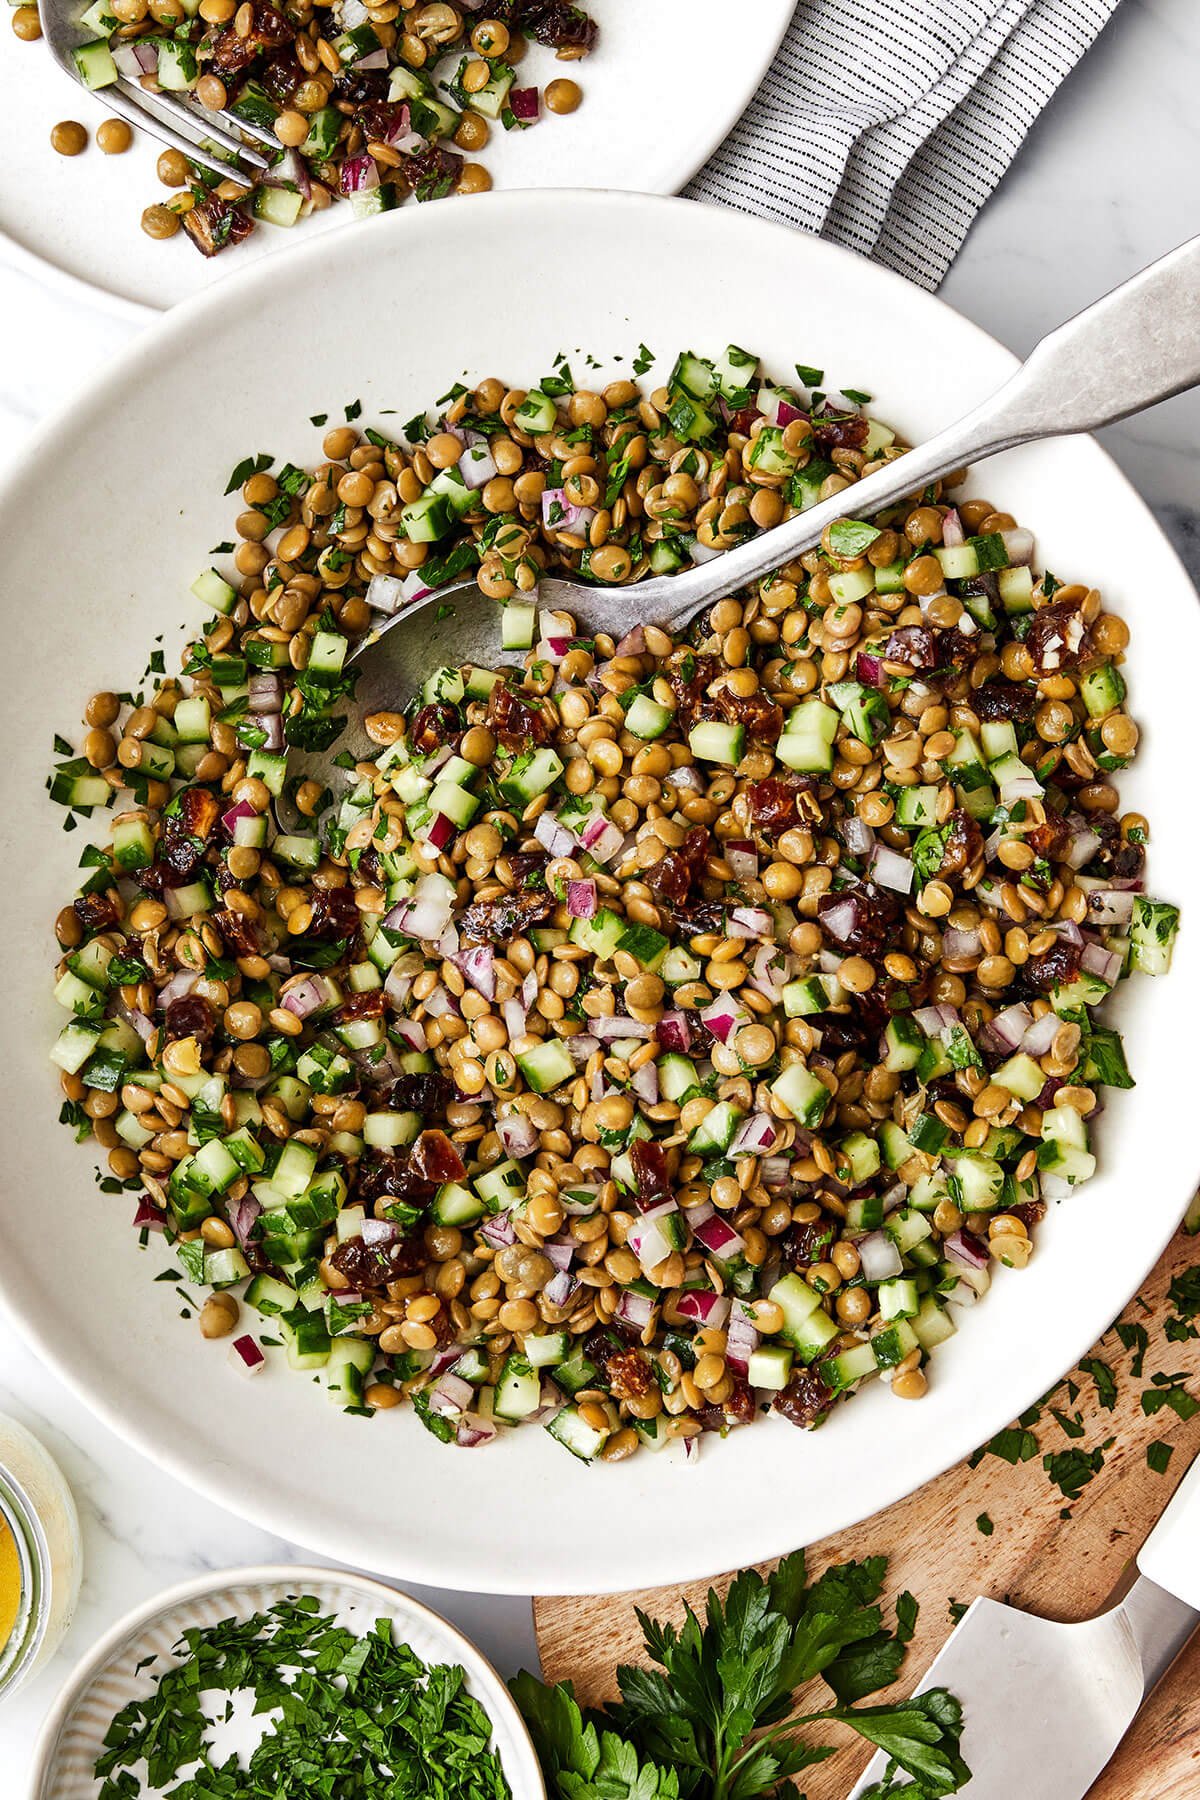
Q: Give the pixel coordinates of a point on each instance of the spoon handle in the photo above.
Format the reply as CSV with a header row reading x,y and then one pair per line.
x,y
1138,345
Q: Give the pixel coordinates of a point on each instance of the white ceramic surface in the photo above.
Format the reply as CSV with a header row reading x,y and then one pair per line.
x,y
143,458
109,1676
659,96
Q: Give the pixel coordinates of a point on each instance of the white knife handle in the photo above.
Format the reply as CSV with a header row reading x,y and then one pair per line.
x,y
1170,1556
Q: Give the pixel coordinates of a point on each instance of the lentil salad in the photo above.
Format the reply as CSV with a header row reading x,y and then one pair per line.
x,y
369,100
652,1031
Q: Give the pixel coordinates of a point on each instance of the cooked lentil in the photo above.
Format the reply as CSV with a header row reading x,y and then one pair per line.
x,y
651,1029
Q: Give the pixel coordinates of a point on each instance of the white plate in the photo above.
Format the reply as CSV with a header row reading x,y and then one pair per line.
x,y
667,80
105,525
109,1676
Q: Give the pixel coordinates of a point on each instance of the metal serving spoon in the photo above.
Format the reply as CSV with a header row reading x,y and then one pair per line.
x,y
1138,345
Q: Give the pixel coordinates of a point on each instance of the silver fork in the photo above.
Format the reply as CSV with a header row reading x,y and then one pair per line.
x,y
221,148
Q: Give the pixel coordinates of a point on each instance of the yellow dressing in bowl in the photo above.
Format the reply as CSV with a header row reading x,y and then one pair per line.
x,y
10,1583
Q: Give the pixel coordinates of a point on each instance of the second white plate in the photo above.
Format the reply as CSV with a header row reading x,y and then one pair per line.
x,y
667,80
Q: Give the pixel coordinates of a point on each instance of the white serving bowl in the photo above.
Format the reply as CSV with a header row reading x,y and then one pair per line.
x,y
105,523
109,1676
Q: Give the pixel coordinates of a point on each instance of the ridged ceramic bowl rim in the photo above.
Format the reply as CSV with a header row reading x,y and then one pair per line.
x,y
483,1679
143,454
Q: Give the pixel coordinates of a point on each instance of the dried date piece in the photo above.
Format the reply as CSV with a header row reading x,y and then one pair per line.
x,y
499,921
1057,638
805,1400
511,720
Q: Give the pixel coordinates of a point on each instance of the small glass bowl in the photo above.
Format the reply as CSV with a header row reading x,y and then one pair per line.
x,y
37,1508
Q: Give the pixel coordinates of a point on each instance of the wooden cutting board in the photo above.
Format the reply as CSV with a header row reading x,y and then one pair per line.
x,y
1063,1569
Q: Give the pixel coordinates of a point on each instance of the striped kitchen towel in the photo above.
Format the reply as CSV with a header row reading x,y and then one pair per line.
x,y
884,125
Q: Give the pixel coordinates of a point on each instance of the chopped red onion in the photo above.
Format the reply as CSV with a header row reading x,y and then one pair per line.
x,y
633,643
397,988
620,1027
377,1231
702,553
242,1215
179,986
561,1288
266,695
964,1247
478,966
580,1202
581,899
1040,1035
427,912
696,1215
774,1171
518,1134
561,514
742,858
359,174
246,1356
147,1216
857,835
933,1020
554,838
374,59
879,1256
450,1395
869,670
635,1310
1110,906
840,920
719,1239
673,1033
581,1045
644,1082
474,1431
515,1017
647,1238
952,528
557,631
1081,847
498,1231
892,870
307,997
1019,545
560,1251
439,1003
705,1307
413,1033
524,102
756,1136
243,810
1104,964
750,922
686,779
1009,1026
724,1017
961,944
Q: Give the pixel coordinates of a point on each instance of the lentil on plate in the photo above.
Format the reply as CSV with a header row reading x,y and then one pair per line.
x,y
651,1030
367,100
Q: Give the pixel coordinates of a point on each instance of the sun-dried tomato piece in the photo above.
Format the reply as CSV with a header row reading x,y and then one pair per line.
x,y
649,1163
432,172
434,726
774,802
629,1375
368,1266
425,1094
805,1400
95,912
736,1409
862,918
1060,963
964,842
761,717
499,921
334,912
216,224
1016,700
807,1243
238,933
913,645
675,871
838,431
688,675
512,720
268,31
1057,638
190,1016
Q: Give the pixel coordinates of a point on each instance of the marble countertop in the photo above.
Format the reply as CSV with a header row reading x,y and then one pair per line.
x,y
1098,190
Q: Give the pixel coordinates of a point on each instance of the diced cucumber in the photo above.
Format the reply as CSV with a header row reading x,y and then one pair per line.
x,y
734,372
531,775
600,935
546,1349
427,518
712,741
1016,589
851,585
807,741
79,996
1021,1076
895,1146
519,1389
575,1434
306,1338
905,1041
770,1367
857,1363
892,1342
351,1360
964,763
537,413
804,1096
676,1076
95,64
73,1045
547,1066
270,1296
499,1186
716,1130
518,625
999,739
933,1324
646,718
916,806
278,205
295,1169
324,127
980,1179
694,375
857,1159
646,945
454,1204
897,1298
1152,935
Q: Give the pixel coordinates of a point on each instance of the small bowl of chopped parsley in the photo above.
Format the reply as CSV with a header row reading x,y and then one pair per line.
x,y
264,1683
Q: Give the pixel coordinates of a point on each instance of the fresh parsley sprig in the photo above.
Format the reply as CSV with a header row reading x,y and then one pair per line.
x,y
710,1720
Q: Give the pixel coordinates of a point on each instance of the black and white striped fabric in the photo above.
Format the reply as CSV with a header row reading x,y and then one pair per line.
x,y
885,124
